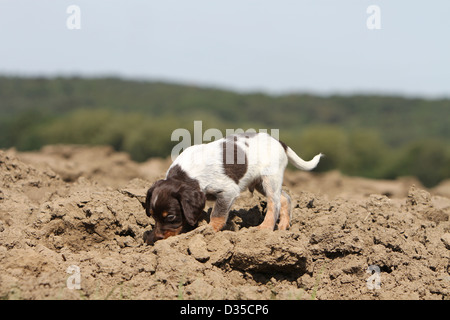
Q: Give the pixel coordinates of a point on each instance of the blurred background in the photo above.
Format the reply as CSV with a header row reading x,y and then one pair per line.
x,y
370,89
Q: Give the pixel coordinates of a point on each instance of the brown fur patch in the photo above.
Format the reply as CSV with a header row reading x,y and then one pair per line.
x,y
171,232
284,145
234,159
217,223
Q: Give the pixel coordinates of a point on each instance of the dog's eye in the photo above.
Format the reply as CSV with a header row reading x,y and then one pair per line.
x,y
171,217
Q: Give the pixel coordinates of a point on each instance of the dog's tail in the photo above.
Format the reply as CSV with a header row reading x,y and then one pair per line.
x,y
300,163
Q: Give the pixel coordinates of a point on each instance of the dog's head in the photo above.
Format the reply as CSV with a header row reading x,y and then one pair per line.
x,y
176,207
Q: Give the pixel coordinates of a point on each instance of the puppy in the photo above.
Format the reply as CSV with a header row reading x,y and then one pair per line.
x,y
220,171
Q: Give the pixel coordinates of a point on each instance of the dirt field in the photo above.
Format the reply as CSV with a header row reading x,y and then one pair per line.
x,y
77,209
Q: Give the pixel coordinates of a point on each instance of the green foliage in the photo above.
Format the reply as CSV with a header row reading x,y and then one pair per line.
x,y
328,140
372,136
428,160
141,136
357,152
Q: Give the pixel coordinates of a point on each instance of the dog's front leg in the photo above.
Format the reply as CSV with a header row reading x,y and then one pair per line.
x,y
220,212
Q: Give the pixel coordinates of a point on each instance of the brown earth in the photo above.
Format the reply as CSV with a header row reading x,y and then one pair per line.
x,y
81,206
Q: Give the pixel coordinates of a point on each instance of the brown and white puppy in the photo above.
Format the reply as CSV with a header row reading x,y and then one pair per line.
x,y
221,170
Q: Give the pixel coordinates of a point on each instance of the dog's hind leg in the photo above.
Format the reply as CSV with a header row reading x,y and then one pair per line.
x,y
285,212
272,190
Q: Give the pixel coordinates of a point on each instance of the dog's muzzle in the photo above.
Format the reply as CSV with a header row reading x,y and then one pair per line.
x,y
150,237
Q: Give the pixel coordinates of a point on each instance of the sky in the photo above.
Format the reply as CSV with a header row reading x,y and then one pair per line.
x,y
284,46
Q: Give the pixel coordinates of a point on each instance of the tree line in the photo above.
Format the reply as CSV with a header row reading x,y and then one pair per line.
x,y
365,135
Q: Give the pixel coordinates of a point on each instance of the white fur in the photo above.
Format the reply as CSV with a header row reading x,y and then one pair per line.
x,y
266,157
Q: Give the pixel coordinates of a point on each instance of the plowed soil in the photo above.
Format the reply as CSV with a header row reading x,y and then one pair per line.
x,y
69,208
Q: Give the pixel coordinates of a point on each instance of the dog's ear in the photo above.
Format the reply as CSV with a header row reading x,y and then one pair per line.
x,y
148,198
192,202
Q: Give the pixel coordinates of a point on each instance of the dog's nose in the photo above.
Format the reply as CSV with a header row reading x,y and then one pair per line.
x,y
150,237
